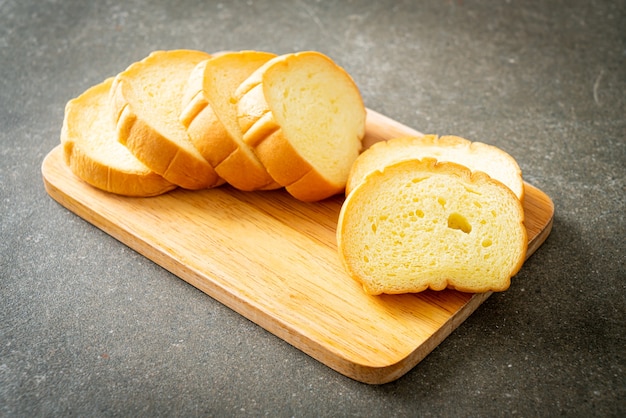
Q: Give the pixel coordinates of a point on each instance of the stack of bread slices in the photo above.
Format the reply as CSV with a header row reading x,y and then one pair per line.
x,y
420,212
190,119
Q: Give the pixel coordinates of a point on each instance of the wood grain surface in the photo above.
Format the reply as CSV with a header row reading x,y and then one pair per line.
x,y
274,260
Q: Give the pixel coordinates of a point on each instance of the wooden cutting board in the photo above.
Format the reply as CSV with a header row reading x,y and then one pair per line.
x,y
274,260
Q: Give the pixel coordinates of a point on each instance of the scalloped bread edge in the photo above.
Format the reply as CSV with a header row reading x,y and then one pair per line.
x,y
420,224
476,156
304,117
210,116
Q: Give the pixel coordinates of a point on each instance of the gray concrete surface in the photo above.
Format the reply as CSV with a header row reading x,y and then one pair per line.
x,y
90,328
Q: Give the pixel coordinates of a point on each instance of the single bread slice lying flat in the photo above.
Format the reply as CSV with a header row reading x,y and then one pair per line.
x,y
304,117
146,100
420,224
476,156
93,153
210,116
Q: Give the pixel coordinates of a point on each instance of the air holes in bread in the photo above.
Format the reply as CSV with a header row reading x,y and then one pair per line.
x,y
460,222
454,228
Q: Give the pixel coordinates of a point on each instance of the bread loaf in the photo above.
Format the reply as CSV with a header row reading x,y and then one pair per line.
x,y
146,103
420,224
476,156
304,117
92,152
210,116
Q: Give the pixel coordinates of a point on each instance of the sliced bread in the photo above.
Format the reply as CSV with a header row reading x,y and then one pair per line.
x,y
476,156
304,117
146,100
92,152
420,224
210,116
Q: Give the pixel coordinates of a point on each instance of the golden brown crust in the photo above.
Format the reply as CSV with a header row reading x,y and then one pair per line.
x,y
283,162
91,150
167,156
244,174
312,187
476,155
206,131
254,115
277,153
259,128
110,179
367,191
262,132
211,128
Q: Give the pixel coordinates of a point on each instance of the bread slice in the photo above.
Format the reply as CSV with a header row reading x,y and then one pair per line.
x,y
476,156
305,119
210,116
146,100
420,224
92,152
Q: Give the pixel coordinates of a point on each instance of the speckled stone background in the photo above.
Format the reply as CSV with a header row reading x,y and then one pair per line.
x,y
90,328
